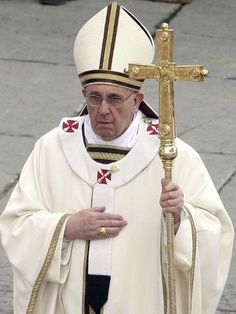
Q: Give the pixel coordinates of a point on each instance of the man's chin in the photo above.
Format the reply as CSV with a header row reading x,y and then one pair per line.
x,y
106,132
106,135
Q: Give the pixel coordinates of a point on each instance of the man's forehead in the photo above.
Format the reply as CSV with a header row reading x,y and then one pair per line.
x,y
108,88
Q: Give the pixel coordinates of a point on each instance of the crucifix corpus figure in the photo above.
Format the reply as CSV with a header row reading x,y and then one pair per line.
x,y
83,226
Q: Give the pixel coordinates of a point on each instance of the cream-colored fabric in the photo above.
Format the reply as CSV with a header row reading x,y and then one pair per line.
x,y
108,42
58,178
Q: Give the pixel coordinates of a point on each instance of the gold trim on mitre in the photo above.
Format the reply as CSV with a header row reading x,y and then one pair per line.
x,y
111,77
109,37
107,43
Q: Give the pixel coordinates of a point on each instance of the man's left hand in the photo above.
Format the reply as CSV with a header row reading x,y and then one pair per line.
x,y
172,199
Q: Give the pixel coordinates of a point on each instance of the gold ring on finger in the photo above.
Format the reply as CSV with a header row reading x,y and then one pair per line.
x,y
102,231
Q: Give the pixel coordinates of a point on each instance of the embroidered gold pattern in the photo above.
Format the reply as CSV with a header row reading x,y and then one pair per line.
x,y
114,169
106,156
46,264
125,149
109,76
147,121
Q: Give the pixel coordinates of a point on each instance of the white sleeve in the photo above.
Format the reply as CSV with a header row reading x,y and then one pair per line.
x,y
214,230
27,226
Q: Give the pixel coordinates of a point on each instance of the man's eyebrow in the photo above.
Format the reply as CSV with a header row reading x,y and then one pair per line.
x,y
112,94
115,95
94,93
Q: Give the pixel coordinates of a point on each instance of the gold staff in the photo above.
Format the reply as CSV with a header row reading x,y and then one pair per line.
x,y
166,72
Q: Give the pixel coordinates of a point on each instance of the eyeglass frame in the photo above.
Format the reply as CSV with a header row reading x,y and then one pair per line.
x,y
107,100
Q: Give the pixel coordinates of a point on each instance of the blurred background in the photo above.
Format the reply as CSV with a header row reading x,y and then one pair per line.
x,y
39,86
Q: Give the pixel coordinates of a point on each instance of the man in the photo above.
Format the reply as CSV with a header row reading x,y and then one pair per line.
x,y
83,229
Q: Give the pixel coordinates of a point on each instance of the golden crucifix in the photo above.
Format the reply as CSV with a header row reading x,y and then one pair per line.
x,y
166,72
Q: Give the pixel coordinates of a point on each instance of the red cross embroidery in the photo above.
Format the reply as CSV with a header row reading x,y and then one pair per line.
x,y
153,129
70,126
103,175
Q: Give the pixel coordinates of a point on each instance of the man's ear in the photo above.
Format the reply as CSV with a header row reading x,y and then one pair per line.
x,y
84,92
137,100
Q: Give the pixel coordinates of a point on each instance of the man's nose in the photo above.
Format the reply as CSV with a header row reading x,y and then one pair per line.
x,y
104,107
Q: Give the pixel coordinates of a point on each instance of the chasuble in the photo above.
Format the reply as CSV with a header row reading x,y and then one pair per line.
x,y
60,177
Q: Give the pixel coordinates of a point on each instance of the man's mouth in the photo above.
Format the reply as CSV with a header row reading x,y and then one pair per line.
x,y
104,122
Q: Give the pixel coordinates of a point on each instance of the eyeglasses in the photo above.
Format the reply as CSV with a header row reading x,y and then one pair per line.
x,y
113,101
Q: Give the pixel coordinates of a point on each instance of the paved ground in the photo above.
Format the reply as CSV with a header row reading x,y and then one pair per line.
x,y
39,86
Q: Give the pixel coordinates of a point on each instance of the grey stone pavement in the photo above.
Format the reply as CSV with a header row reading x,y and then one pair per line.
x,y
39,85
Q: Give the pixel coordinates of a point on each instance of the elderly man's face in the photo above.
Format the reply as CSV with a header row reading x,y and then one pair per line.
x,y
110,120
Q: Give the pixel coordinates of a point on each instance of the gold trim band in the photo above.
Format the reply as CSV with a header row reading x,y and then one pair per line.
x,y
46,264
125,149
100,76
109,36
105,156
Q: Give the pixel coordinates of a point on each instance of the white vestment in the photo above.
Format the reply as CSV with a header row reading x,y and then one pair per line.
x,y
60,177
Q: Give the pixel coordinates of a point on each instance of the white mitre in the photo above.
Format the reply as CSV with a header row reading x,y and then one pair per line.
x,y
106,45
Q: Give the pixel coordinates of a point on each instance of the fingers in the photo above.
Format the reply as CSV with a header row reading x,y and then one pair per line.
x,y
104,216
112,226
171,195
98,214
110,216
111,232
87,223
97,209
172,199
170,192
168,187
113,223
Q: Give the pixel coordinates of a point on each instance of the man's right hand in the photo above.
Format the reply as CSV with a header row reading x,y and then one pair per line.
x,y
86,224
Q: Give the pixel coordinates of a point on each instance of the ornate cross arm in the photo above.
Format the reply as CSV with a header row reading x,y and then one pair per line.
x,y
170,72
195,73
